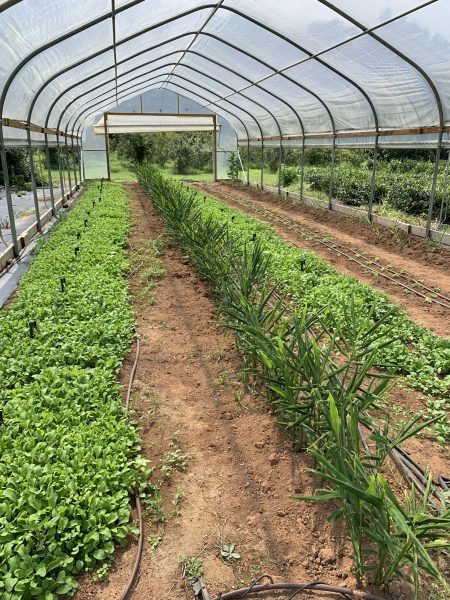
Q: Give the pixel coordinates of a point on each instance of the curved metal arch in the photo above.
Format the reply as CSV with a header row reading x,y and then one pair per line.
x,y
155,26
294,111
9,4
275,72
96,110
209,77
55,42
310,54
394,50
195,94
181,77
191,91
203,74
257,59
433,88
89,77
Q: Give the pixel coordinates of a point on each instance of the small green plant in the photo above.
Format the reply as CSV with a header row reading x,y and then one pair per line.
x,y
228,552
179,495
191,567
234,167
173,460
154,541
153,503
102,573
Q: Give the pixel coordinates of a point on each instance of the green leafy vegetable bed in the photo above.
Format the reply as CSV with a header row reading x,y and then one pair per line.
x,y
68,456
416,352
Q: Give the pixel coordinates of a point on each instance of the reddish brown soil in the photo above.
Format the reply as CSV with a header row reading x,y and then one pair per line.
x,y
413,256
241,470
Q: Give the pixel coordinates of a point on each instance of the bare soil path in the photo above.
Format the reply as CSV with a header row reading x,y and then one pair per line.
x,y
241,469
240,472
414,257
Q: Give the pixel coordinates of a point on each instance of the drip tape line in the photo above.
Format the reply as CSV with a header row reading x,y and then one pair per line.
x,y
137,562
296,588
343,251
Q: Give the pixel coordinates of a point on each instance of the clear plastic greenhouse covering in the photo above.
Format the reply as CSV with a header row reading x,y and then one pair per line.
x,y
298,69
151,123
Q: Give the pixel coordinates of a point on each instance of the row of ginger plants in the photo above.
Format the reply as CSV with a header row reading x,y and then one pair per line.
x,y
322,385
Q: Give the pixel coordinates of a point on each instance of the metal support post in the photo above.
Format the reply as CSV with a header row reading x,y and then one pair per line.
x,y
74,165
33,182
302,168
108,166
433,185
60,167
49,175
262,164
280,158
442,214
333,157
68,165
248,162
79,161
214,148
82,161
12,222
373,180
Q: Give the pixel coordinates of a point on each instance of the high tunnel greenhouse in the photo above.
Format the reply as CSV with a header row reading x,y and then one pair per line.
x,y
335,74
224,299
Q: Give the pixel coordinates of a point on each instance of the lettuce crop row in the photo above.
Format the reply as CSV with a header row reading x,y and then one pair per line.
x,y
68,456
320,382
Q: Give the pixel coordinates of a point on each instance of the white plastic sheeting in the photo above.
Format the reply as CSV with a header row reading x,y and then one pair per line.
x,y
150,123
270,68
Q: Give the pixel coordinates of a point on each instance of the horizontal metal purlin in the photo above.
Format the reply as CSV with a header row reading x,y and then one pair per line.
x,y
427,129
16,124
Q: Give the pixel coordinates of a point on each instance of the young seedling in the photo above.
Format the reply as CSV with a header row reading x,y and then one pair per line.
x,y
229,553
191,567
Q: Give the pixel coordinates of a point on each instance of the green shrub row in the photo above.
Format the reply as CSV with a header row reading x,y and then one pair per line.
x,y
68,455
406,189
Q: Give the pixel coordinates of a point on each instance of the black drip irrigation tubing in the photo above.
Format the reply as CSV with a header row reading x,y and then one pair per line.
x,y
343,251
296,588
125,594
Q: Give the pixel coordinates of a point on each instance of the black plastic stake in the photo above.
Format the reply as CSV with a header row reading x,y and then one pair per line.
x,y
88,212
233,217
78,235
32,328
77,249
302,264
93,203
63,283
1,416
254,237
85,222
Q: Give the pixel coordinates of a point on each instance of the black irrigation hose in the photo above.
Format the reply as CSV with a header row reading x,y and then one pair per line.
x,y
296,588
137,561
343,251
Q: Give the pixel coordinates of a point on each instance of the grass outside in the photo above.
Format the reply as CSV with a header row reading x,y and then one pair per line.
x,y
197,176
122,170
